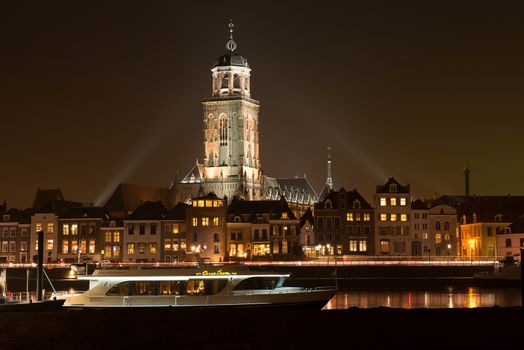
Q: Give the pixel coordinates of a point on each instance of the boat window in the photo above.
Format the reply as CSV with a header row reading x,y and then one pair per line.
x,y
257,283
205,287
119,289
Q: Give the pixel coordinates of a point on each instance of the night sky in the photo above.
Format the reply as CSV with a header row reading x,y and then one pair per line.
x,y
94,93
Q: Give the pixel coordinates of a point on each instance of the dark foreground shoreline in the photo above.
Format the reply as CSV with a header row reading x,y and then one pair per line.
x,y
378,328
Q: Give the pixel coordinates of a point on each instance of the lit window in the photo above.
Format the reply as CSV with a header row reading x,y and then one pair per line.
x,y
74,247
108,236
209,203
152,248
352,245
74,229
205,221
393,201
402,201
130,248
425,235
403,217
65,230
362,246
194,221
438,238
141,248
349,216
49,244
215,221
284,215
447,237
357,216
200,203
384,246
382,202
50,228
167,245
91,246
393,217
65,247
23,246
175,228
83,246
367,217
38,227
116,237
383,217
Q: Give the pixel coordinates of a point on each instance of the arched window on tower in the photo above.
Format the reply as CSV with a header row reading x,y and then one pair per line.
x,y
225,81
223,130
236,81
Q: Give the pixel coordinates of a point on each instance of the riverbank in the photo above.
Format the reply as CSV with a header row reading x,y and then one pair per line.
x,y
378,328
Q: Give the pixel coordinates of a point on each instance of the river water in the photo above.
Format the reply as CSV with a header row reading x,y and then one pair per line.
x,y
434,297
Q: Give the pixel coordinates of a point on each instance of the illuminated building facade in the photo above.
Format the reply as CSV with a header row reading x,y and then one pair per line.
x,y
174,234
344,224
392,203
14,236
511,239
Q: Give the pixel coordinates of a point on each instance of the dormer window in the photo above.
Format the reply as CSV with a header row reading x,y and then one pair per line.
x,y
112,223
237,219
498,218
328,204
284,215
356,204
260,219
393,188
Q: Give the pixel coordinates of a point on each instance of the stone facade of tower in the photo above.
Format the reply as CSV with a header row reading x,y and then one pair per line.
x,y
231,165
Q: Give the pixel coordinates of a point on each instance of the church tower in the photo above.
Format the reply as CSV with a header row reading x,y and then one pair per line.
x,y
231,147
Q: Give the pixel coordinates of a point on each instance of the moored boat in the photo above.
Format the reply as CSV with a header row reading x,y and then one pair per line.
x,y
194,288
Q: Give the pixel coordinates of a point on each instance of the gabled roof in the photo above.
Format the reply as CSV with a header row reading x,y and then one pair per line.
x,y
16,215
349,196
149,211
307,217
128,197
387,188
178,212
45,198
195,175
418,205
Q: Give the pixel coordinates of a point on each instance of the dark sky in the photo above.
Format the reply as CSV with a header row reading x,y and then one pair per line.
x,y
94,93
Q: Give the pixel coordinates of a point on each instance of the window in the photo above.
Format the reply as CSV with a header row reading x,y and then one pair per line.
x,y
383,217
284,215
329,223
194,222
367,217
12,232
23,246
5,232
108,236
215,221
116,237
83,229
74,229
402,201
83,246
216,238
50,228
38,227
438,238
200,203
356,204
216,249
393,217
393,188
352,245
256,234
349,216
142,229
362,245
384,246
425,235
337,222
416,215
175,228
152,248
5,246
424,226
393,201
130,248
205,221
12,246
209,203
437,226
382,202
522,242
320,222
152,229
141,248
49,245
357,216
74,247
23,232
447,237
91,246
403,217
424,215
65,229
65,247
446,226
130,229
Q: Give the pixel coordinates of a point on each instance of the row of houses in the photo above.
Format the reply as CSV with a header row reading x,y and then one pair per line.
x,y
342,223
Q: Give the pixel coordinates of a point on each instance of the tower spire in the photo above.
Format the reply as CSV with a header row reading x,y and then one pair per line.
x,y
329,179
231,45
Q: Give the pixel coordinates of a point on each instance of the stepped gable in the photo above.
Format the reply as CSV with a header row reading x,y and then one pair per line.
x,y
127,197
149,211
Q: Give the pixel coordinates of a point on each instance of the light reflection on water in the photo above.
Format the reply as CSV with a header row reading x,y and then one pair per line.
x,y
463,297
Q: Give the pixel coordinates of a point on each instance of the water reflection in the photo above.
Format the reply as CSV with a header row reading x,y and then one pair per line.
x,y
451,297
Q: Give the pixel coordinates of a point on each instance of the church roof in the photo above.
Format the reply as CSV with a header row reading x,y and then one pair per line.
x,y
195,175
45,198
231,59
128,197
294,190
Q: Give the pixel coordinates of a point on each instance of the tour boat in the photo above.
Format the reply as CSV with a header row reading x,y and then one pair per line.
x,y
193,288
